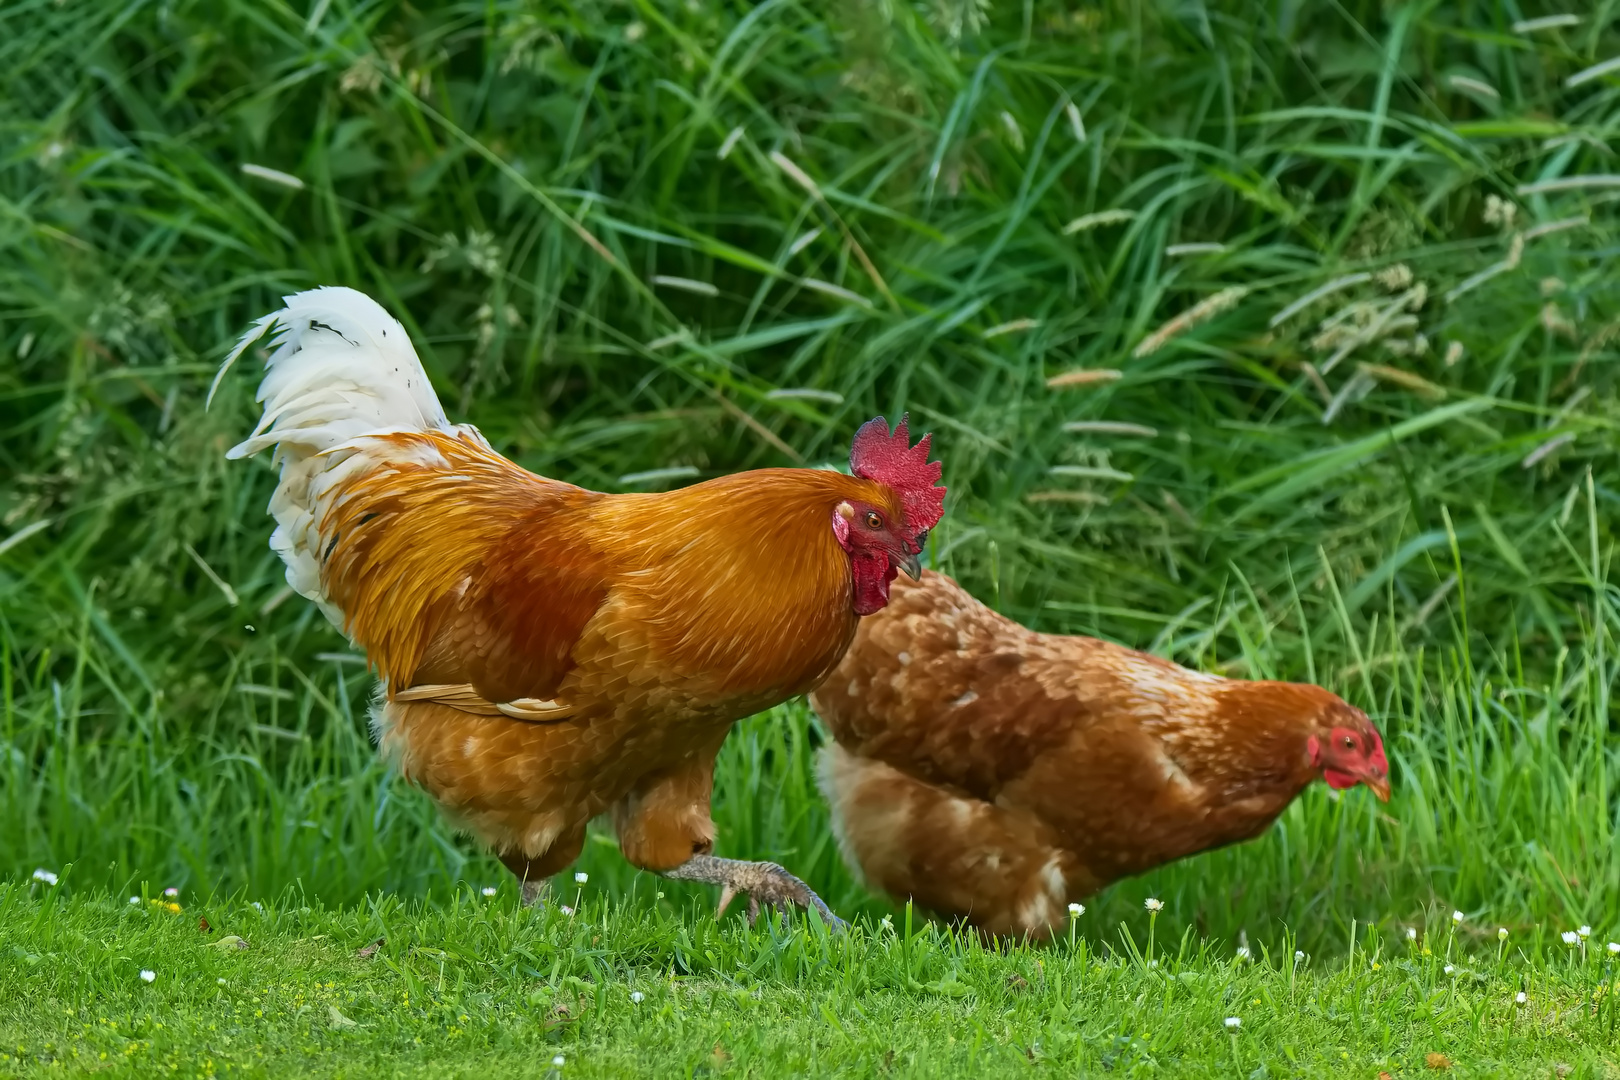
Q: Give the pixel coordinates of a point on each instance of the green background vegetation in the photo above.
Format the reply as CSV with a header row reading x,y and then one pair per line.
x,y
684,239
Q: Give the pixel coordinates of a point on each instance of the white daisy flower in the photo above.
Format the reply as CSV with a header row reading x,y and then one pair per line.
x,y
557,1061
1450,968
1243,952
581,878
45,875
1077,910
488,890
171,892
1520,998
1411,933
1571,938
1458,917
1299,955
1234,1022
637,997
148,975
1584,931
1501,933
1153,904
565,909
134,899
1614,948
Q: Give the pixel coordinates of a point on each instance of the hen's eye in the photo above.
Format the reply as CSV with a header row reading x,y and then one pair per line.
x,y
1349,743
873,521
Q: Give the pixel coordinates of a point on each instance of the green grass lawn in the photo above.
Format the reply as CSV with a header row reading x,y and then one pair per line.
x,y
1277,338
476,986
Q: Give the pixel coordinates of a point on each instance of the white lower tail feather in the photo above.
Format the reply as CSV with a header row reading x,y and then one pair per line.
x,y
341,369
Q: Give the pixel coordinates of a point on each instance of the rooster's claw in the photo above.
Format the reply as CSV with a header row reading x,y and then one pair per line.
x,y
765,884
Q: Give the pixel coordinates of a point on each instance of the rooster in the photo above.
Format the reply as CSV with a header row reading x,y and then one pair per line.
x,y
547,653
995,774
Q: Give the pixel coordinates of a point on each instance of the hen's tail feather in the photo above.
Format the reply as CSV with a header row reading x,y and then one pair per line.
x,y
340,369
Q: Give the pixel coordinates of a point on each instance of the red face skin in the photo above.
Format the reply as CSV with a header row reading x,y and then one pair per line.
x,y
1349,756
879,548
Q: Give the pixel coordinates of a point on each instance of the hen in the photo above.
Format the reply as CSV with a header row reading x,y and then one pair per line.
x,y
995,774
548,653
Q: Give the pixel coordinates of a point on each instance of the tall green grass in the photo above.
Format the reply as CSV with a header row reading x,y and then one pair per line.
x,y
681,240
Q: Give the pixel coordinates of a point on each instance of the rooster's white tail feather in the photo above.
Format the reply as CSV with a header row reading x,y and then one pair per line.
x,y
340,369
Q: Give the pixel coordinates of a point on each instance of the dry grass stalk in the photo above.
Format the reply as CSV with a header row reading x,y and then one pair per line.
x,y
1201,312
1083,377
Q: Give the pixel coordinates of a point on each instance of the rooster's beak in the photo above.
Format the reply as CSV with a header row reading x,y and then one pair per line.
x,y
910,564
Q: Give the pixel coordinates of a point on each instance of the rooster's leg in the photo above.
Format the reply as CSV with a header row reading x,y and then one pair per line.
x,y
763,883
530,877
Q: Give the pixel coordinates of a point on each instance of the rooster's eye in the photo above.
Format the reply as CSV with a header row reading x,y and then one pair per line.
x,y
873,521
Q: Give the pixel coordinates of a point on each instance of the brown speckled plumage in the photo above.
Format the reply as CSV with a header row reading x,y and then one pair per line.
x,y
995,773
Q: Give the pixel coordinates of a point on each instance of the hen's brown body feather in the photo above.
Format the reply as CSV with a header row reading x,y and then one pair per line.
x,y
631,631
996,773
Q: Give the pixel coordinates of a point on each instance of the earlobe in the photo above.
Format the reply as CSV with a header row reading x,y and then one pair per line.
x,y
1313,746
843,514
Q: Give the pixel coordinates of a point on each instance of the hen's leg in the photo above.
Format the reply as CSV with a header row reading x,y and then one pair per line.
x,y
765,884
664,826
1001,870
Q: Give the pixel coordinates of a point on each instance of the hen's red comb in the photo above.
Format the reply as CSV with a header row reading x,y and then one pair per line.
x,y
890,459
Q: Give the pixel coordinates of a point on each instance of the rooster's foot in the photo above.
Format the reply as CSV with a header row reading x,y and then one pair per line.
x,y
765,884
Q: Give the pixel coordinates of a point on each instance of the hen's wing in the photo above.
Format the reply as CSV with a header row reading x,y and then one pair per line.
x,y
942,687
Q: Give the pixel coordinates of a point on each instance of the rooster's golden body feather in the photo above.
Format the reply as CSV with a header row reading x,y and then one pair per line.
x,y
548,653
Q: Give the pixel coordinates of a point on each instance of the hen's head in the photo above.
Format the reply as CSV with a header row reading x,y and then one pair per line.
x,y
1348,750
883,539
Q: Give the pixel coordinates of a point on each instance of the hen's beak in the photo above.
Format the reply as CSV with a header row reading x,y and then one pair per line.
x,y
911,564
1378,785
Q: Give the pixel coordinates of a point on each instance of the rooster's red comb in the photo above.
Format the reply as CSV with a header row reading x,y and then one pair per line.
x,y
891,460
